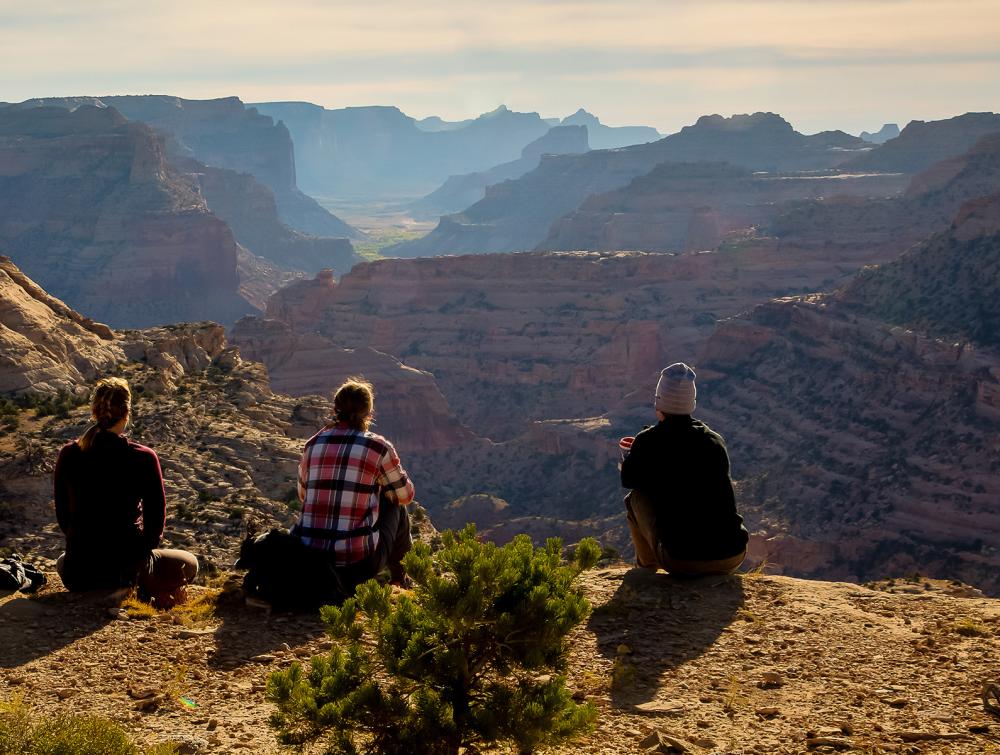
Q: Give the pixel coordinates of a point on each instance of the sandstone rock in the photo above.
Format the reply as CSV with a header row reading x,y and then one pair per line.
x,y
44,345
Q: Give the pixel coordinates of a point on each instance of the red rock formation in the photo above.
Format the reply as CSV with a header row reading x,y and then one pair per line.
x,y
90,209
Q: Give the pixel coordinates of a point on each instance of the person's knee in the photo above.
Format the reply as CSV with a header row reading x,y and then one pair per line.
x,y
189,567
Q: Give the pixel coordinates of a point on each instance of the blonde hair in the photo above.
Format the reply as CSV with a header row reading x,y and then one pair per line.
x,y
110,404
353,403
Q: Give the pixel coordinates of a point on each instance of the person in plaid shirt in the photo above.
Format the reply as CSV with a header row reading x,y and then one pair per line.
x,y
354,492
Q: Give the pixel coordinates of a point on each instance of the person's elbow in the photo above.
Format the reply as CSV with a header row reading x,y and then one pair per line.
x,y
406,493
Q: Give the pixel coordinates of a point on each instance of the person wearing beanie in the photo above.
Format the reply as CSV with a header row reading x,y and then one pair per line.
x,y
681,508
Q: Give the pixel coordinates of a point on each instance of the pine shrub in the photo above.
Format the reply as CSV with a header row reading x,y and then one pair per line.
x,y
469,658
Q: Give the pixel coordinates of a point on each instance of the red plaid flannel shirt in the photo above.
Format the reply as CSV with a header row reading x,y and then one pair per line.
x,y
342,473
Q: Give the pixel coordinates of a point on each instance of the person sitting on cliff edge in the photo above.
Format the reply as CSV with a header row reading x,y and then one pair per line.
x,y
354,492
111,507
682,509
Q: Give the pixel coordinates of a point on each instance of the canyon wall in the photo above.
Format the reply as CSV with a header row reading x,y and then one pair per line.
x,y
223,133
695,206
865,445
461,191
249,209
91,210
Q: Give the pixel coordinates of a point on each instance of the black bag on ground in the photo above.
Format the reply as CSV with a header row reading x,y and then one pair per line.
x,y
286,573
15,574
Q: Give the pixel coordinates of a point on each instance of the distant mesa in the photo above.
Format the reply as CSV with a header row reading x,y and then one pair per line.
x,y
610,137
884,134
923,143
517,215
379,153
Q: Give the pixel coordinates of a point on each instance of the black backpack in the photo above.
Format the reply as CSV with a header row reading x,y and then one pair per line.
x,y
286,573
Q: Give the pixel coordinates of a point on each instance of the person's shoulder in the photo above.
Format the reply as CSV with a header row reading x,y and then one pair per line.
x,y
142,451
70,450
377,442
708,432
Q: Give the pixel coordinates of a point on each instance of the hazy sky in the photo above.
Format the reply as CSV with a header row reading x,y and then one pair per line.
x,y
850,64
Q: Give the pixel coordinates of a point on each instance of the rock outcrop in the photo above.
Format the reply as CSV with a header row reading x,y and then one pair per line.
x,y
517,215
923,143
223,133
44,345
461,191
91,210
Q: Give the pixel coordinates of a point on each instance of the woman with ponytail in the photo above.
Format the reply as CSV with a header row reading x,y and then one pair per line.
x,y
111,508
354,491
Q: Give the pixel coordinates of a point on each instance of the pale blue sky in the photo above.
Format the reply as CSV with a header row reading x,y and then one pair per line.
x,y
850,64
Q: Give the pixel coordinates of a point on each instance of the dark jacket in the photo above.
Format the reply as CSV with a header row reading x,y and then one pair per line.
x,y
111,507
682,465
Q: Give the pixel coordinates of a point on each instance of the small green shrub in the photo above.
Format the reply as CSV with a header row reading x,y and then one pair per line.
x,y
463,661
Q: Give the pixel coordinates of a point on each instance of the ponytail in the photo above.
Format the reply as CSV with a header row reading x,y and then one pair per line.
x,y
353,402
111,402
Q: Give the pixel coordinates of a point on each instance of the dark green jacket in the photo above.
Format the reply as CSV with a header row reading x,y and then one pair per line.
x,y
682,465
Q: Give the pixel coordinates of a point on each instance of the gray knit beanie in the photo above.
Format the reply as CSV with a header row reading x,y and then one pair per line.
x,y
676,392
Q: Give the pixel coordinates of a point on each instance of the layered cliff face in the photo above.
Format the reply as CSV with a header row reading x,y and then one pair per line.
x,y
923,143
517,215
91,210
695,206
461,191
249,209
380,153
44,345
512,339
223,133
866,448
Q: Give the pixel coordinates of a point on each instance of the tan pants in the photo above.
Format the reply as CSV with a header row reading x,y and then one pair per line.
x,y
649,551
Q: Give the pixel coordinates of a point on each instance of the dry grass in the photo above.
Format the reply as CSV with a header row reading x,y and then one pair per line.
x,y
24,732
197,611
970,628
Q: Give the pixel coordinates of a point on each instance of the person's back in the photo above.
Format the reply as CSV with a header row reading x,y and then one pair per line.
x,y
682,509
111,507
108,505
354,491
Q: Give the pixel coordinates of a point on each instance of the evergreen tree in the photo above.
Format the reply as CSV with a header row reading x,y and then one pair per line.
x,y
463,660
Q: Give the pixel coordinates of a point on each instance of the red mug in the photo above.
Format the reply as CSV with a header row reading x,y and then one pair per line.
x,y
625,445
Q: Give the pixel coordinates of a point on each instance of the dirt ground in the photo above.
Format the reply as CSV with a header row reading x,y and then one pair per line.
x,y
742,664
